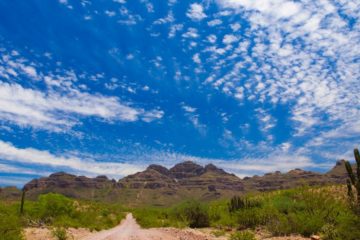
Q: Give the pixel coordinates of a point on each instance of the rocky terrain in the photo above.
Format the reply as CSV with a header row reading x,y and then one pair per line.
x,y
158,185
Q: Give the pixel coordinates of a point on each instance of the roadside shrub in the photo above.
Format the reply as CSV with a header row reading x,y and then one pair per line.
x,y
194,213
304,211
243,235
197,215
158,217
10,224
60,211
252,217
60,233
219,215
52,206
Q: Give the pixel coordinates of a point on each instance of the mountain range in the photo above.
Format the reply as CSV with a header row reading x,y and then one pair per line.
x,y
160,186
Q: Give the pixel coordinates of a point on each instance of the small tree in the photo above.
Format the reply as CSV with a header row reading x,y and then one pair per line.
x,y
354,180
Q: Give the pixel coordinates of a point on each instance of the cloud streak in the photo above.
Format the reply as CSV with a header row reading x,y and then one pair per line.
x,y
31,156
51,110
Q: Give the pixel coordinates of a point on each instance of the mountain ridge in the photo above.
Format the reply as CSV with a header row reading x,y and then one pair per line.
x,y
158,185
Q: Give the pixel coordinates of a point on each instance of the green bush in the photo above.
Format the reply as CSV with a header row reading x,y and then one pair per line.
x,y
187,214
349,228
305,212
243,235
10,223
250,218
219,215
196,214
60,233
157,217
54,206
329,232
60,211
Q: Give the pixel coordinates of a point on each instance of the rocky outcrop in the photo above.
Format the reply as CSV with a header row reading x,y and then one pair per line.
x,y
187,175
295,178
153,177
65,180
186,169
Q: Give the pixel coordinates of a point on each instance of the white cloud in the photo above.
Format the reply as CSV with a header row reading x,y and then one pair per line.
x,y
12,154
188,109
229,39
304,55
152,115
191,33
196,58
214,22
174,29
196,12
53,111
168,19
31,71
275,8
235,26
110,13
212,38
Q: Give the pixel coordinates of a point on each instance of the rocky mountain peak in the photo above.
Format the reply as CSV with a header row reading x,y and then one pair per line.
x,y
186,169
339,169
161,169
212,168
298,171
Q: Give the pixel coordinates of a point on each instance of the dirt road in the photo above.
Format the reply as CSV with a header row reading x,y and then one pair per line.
x,y
130,230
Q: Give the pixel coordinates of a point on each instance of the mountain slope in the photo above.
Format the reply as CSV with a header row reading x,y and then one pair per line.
x,y
160,186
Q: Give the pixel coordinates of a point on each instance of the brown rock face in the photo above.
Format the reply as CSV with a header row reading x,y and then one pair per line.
x,y
160,169
184,176
295,178
72,186
213,168
64,180
150,178
186,169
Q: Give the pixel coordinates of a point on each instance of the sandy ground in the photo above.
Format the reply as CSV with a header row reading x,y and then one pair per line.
x,y
129,229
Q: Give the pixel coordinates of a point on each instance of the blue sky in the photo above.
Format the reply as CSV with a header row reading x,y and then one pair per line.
x,y
110,86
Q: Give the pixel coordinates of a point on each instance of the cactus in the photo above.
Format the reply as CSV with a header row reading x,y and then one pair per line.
x,y
237,203
22,202
354,180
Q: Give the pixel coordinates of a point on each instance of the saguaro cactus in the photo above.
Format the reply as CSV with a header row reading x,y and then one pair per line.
x,y
22,201
354,180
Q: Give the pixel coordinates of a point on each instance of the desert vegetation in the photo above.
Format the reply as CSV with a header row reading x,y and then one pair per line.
x,y
325,211
57,212
305,211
